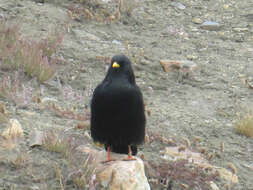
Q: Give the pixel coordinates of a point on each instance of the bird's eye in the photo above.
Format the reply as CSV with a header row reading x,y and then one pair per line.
x,y
115,65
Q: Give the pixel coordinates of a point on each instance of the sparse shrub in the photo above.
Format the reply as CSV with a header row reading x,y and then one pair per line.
x,y
68,113
35,58
55,142
94,10
72,95
21,161
9,41
35,64
127,6
59,176
83,178
181,172
9,35
12,89
244,125
50,45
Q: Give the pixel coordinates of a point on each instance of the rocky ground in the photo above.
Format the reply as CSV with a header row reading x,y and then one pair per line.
x,y
215,35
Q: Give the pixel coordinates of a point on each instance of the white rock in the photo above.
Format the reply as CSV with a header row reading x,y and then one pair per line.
x,y
213,186
118,174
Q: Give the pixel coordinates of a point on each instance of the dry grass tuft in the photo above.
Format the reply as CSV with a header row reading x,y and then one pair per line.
x,y
68,113
83,178
35,58
59,176
127,6
244,125
182,172
13,88
101,11
56,142
21,161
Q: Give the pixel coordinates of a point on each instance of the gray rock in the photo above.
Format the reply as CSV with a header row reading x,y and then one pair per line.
x,y
117,42
178,5
210,25
36,138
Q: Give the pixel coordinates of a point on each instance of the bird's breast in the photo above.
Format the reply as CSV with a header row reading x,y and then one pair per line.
x,y
119,96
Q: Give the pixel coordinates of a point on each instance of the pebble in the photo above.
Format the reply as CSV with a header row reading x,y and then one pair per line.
x,y
1,16
240,29
116,42
144,62
197,21
178,5
210,25
178,65
48,99
192,57
226,6
213,186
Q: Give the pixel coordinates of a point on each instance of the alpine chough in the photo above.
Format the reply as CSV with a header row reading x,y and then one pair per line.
x,y
117,110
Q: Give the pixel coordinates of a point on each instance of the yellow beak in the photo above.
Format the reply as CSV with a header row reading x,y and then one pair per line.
x,y
115,65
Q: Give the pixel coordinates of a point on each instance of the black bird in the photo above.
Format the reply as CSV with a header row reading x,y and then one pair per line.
x,y
117,110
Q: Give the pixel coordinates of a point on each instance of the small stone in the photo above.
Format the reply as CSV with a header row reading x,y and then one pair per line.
x,y
178,5
210,25
36,138
241,75
213,186
47,99
197,21
227,175
178,65
117,42
226,6
240,29
172,153
192,57
13,130
144,62
106,1
34,187
169,65
86,134
29,113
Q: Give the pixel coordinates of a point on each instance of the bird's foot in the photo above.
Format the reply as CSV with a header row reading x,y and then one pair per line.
x,y
106,161
129,158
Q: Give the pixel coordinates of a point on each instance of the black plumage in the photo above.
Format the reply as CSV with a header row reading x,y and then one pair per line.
x,y
117,109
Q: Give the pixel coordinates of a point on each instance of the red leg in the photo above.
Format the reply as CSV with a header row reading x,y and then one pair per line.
x,y
109,159
130,157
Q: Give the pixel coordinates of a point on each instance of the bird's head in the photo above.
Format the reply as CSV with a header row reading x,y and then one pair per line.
x,y
121,67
